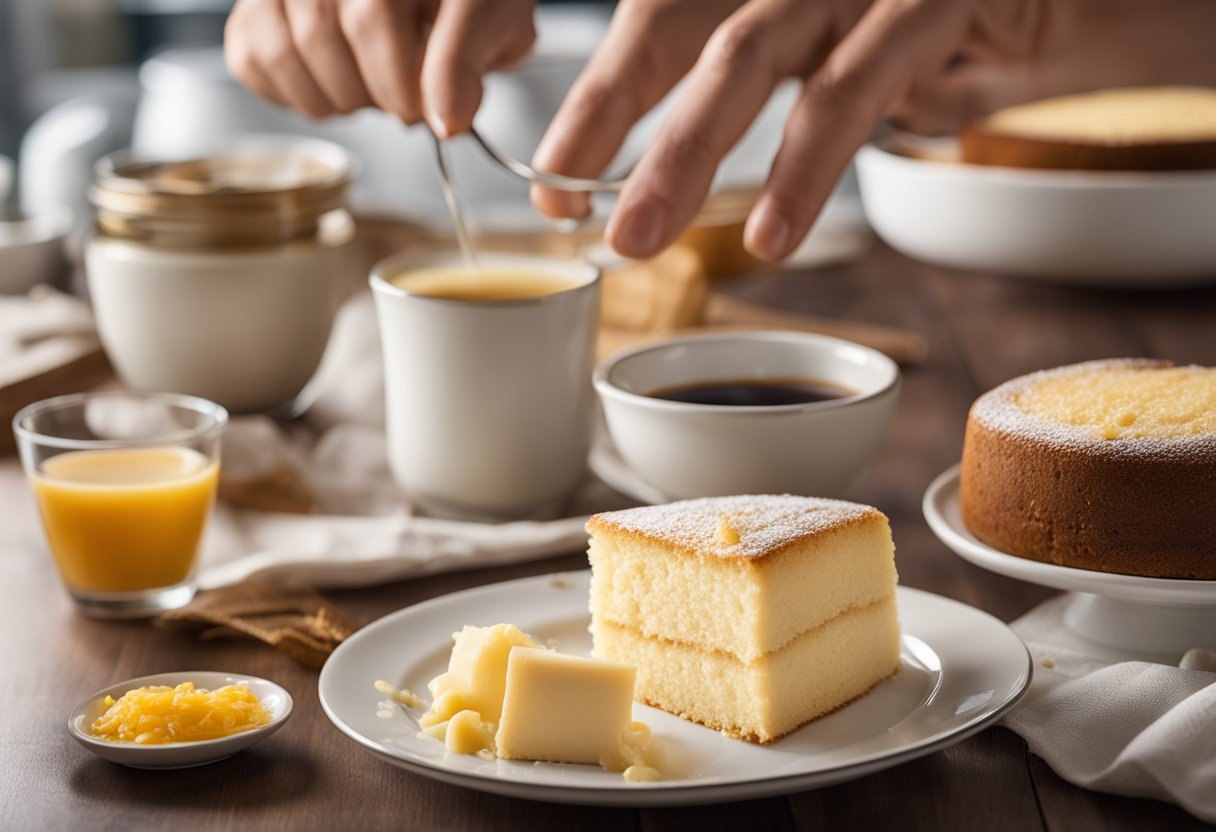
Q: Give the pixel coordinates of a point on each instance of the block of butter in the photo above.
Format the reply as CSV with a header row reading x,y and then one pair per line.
x,y
566,709
476,675
505,695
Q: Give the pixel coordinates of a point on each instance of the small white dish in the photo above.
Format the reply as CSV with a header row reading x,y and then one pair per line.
x,y
274,698
685,450
1118,616
961,670
32,250
1125,230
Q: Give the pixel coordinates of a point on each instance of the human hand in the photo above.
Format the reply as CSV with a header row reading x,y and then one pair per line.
x,y
860,61
413,58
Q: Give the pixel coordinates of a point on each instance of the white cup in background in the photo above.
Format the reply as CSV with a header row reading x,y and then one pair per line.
x,y
489,405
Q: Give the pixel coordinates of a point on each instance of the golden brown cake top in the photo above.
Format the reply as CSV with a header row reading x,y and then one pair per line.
x,y
1124,406
747,526
1130,116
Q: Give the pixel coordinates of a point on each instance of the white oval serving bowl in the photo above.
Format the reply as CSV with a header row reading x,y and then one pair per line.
x,y
694,450
1128,230
275,699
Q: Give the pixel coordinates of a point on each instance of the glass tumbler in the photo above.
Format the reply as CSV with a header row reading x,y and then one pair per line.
x,y
124,483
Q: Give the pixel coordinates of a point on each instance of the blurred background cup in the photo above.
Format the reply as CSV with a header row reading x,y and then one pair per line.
x,y
124,483
219,275
489,402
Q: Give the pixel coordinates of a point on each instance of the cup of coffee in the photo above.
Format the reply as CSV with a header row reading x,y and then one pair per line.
x,y
487,376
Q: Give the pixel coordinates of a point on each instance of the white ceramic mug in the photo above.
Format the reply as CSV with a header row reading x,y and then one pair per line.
x,y
489,405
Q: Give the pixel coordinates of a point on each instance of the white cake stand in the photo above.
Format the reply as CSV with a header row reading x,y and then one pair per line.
x,y
1115,616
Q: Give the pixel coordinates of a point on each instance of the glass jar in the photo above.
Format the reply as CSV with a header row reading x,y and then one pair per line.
x,y
218,276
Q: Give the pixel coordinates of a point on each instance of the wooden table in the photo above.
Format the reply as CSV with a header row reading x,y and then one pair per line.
x,y
309,776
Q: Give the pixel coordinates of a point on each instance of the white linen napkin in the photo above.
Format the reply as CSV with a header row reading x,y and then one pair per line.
x,y
1129,727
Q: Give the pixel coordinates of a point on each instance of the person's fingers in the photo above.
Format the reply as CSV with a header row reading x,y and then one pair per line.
x,y
942,102
261,53
242,63
866,73
469,38
758,46
323,48
649,46
386,39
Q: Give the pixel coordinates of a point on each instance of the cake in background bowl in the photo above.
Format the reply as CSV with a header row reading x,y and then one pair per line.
x,y
1106,465
752,615
1131,129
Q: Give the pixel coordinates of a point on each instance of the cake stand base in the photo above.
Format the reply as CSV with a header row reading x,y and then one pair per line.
x,y
1138,630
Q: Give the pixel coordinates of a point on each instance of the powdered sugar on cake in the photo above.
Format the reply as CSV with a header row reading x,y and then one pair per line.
x,y
999,410
765,523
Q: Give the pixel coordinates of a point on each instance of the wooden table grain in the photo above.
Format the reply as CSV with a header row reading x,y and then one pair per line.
x,y
310,777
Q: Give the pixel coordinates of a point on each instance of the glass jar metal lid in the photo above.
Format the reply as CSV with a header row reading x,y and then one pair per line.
x,y
257,190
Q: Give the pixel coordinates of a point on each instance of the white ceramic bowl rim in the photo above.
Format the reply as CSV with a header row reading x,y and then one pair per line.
x,y
48,224
173,679
583,273
878,152
605,376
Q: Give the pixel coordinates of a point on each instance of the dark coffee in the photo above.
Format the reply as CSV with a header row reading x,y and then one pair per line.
x,y
750,393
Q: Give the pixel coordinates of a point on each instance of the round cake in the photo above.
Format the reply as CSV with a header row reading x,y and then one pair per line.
x,y
1106,465
1132,129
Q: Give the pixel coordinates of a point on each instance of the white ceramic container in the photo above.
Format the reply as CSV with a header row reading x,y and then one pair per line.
x,y
696,450
489,405
218,276
244,329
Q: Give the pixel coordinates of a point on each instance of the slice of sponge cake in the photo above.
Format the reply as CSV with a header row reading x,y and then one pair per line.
x,y
749,614
1138,128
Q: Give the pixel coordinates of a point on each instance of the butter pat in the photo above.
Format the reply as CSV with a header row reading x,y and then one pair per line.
x,y
467,734
476,676
567,709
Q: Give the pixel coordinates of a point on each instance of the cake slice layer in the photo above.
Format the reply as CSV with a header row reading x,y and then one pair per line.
x,y
818,672
797,563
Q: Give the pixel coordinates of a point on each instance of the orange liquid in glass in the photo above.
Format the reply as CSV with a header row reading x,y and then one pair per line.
x,y
125,520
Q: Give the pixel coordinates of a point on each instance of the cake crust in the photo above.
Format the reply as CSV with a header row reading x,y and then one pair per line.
x,y
1056,493
1131,129
981,145
766,524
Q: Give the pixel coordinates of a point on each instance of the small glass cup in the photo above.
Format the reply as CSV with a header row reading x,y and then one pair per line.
x,y
124,483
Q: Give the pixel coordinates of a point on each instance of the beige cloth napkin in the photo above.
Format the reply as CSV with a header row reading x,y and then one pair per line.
x,y
1132,728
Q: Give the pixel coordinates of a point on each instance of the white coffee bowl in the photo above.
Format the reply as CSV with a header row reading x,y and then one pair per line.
x,y
1133,230
275,699
694,450
32,249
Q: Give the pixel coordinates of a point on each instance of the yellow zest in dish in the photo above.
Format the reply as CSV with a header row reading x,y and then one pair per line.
x,y
1129,402
161,714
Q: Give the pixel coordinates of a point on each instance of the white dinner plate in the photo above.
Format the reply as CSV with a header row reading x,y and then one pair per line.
x,y
962,669
1118,616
